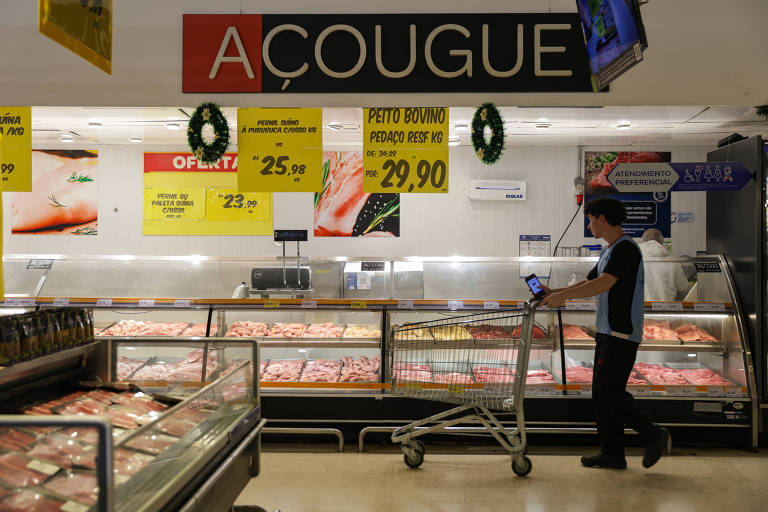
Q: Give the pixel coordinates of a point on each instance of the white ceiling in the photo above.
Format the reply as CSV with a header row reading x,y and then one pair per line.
x,y
694,125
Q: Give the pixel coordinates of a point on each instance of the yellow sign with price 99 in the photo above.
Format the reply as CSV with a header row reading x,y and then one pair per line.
x,y
405,150
16,149
228,204
280,150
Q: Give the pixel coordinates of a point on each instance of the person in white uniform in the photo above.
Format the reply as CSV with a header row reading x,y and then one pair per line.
x,y
663,280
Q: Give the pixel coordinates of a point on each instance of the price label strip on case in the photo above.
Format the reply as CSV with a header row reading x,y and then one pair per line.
x,y
280,150
146,303
709,306
405,304
309,304
104,302
271,303
182,303
667,306
490,304
405,150
61,302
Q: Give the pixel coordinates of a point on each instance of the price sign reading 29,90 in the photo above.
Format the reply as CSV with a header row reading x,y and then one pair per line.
x,y
399,171
413,171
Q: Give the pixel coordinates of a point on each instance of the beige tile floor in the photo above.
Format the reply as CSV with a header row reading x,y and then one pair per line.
x,y
689,480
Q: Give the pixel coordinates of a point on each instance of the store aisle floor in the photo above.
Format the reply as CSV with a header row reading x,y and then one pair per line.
x,y
694,480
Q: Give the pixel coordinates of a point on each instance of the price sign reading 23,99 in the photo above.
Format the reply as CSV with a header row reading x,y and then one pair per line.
x,y
405,150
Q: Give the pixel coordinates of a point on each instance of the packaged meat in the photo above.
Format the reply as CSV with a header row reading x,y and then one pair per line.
x,y
289,330
484,331
704,377
192,414
321,370
154,444
247,329
164,328
199,330
575,332
325,330
450,333
635,379
101,395
83,434
658,331
416,372
492,374
64,451
17,470
537,333
126,366
15,440
76,485
690,332
539,377
124,417
452,378
660,375
579,375
413,333
126,328
30,500
234,392
361,369
81,407
283,370
174,426
137,401
361,331
128,462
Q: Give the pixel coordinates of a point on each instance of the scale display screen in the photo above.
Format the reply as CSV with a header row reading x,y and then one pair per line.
x,y
290,235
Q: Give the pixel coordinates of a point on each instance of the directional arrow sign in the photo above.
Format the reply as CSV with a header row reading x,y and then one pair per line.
x,y
679,176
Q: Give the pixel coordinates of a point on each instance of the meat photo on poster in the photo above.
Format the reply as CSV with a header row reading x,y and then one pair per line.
x,y
599,164
343,209
63,200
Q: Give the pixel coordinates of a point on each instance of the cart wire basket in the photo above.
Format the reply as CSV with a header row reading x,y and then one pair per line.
x,y
478,362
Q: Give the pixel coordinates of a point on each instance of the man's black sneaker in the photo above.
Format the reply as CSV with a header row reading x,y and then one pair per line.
x,y
604,461
655,448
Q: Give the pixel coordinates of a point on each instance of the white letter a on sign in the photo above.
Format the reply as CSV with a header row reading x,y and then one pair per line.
x,y
242,57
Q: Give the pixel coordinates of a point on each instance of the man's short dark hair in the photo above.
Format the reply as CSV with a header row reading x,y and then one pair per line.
x,y
614,210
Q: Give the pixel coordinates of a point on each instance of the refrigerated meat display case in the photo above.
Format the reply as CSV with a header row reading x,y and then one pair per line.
x,y
694,370
75,437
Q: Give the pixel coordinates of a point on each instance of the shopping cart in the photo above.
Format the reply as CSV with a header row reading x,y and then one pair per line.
x,y
479,361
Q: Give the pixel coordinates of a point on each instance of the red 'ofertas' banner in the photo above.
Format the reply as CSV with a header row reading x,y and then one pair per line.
x,y
186,162
222,53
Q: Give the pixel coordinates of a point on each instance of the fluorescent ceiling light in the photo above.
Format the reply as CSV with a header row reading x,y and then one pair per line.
x,y
623,125
343,127
173,126
66,137
136,140
454,141
461,127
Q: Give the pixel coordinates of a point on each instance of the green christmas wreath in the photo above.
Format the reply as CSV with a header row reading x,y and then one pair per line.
x,y
208,153
488,152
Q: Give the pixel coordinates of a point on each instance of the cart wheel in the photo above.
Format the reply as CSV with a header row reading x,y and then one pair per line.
x,y
522,466
418,454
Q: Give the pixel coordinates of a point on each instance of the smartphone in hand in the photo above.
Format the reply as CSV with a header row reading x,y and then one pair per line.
x,y
535,286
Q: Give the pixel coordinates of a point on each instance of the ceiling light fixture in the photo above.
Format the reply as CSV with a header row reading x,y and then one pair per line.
x,y
623,125
335,126
136,140
461,127
543,123
454,141
66,137
173,126
94,124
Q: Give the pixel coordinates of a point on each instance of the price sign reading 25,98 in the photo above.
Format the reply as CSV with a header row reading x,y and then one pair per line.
x,y
400,174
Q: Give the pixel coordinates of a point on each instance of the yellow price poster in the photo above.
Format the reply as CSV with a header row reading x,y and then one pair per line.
x,y
185,197
16,149
227,204
280,149
82,26
174,204
405,150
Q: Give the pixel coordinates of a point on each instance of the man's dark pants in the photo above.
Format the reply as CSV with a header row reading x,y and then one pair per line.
x,y
614,406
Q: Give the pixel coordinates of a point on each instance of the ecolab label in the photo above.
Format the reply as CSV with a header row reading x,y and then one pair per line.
x,y
186,162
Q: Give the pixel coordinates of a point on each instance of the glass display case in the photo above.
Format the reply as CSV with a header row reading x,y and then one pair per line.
x,y
694,365
170,439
